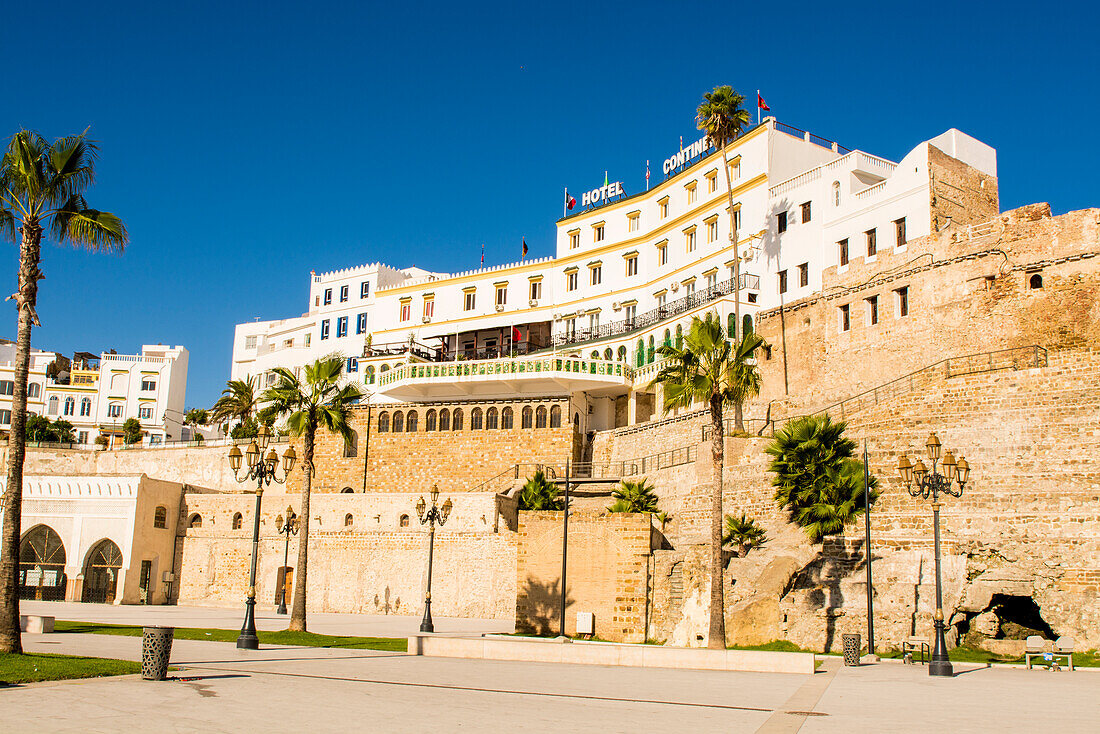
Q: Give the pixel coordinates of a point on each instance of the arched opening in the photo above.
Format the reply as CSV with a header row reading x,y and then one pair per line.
x,y
679,336
430,421
607,355
348,520
160,517
491,419
746,324
456,420
195,521
42,565
475,419
398,422
444,420
506,418
651,351
238,521
101,572
595,354
622,353
640,353
1035,282
668,338
540,417
351,444
527,417
411,421
347,490
383,422
370,375
404,521
555,416
731,327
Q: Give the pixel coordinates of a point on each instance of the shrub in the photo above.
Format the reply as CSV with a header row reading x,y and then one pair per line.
x,y
631,496
744,533
539,493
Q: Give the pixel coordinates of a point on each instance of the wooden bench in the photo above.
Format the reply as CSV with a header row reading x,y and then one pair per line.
x,y
913,644
35,624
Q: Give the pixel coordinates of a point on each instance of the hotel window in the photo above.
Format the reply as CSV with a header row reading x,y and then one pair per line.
x,y
114,410
806,212
845,317
661,297
597,233
737,217
595,274
901,302
712,181
7,387
689,240
33,390
145,412
502,295
324,329
712,230
899,229
360,323
872,242
82,437
52,405
843,247
536,290
662,253
469,301
689,287
574,239
692,192
631,311
328,296
712,280
571,328
5,417
352,365
836,193
781,222
782,281
571,281
70,406
593,322
429,309
662,208
804,275
406,311
364,289
148,384
85,407
632,266
872,310
735,169
250,342
632,222
343,294
309,338
341,326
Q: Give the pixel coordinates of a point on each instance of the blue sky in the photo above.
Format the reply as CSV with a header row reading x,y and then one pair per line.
x,y
246,143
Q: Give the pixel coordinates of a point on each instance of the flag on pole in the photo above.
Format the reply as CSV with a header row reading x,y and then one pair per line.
x,y
570,202
761,103
516,335
482,253
647,174
524,253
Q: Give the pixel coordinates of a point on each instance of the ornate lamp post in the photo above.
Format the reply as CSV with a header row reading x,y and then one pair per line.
x,y
431,516
920,482
289,527
260,469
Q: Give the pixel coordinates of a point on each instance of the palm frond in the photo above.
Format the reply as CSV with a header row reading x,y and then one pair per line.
x,y
98,231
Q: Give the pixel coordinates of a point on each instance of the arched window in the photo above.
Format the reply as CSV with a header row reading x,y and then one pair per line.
x,y
34,390
404,521
836,193
731,326
70,405
429,421
639,354
383,422
506,418
411,421
238,520
1035,282
576,422
475,419
351,445
540,417
527,417
52,405
383,368
398,421
195,521
444,420
85,407
347,490
456,420
491,422
651,351
746,324
118,383
42,565
160,517
622,353
555,417
370,375
595,354
668,338
607,355
348,520
679,336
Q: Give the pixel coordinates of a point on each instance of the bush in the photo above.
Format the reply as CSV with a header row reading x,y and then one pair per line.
x,y
539,493
633,496
744,533
131,431
245,429
102,441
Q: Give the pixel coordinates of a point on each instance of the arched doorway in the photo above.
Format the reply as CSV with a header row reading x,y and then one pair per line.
x,y
42,565
101,573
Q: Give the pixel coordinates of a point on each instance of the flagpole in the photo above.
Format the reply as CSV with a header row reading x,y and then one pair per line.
x,y
757,106
565,204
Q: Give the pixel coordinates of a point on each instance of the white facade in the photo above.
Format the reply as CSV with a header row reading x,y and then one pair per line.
x,y
628,274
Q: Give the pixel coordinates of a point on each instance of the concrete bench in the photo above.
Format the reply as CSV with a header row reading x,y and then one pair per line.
x,y
35,624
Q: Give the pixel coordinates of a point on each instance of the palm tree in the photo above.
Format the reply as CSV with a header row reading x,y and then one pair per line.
x,y
238,401
817,481
539,493
744,533
722,118
633,496
194,418
317,402
42,185
709,368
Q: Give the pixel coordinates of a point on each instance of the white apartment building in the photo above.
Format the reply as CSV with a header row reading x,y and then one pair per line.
x,y
628,275
98,394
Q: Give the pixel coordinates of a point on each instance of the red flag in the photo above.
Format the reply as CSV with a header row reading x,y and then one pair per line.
x,y
483,254
570,202
524,253
761,103
516,336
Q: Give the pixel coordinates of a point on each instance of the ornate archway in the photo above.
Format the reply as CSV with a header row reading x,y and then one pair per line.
x,y
42,565
101,572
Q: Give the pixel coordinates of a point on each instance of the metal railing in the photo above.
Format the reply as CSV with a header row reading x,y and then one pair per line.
x,y
663,460
507,366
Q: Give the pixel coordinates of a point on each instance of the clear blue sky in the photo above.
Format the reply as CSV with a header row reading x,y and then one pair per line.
x,y
246,143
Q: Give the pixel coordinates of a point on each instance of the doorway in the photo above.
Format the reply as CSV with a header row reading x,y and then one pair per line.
x,y
285,584
101,573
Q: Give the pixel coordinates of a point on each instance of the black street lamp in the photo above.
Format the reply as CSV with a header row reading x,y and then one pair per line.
x,y
431,516
928,485
288,528
262,470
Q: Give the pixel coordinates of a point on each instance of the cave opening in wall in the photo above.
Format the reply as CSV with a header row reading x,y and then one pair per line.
x,y
1019,617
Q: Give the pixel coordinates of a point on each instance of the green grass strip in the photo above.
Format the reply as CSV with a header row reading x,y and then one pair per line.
x,y
35,667
281,637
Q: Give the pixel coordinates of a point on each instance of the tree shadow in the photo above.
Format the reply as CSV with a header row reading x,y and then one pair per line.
x,y
539,607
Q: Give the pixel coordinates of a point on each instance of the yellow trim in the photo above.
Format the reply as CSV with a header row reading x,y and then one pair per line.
x,y
631,302
575,230
692,228
663,200
600,223
595,264
634,214
469,289
500,284
688,281
712,271
571,269
630,255
662,292
405,299
712,218
535,278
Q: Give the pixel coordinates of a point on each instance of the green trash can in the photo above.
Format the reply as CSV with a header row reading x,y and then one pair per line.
x,y
156,649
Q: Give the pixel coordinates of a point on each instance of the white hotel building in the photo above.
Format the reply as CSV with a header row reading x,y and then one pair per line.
x,y
628,275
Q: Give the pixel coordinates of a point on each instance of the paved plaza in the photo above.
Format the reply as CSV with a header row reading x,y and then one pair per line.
x,y
219,688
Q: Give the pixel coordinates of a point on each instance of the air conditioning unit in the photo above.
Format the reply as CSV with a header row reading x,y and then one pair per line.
x,y
500,308
674,286
426,319
532,303
615,306
580,312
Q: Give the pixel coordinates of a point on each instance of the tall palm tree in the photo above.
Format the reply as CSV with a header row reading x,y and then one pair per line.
x,y
238,401
709,368
722,117
317,402
42,186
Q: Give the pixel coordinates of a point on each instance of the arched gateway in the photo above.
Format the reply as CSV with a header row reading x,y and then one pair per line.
x,y
101,573
42,565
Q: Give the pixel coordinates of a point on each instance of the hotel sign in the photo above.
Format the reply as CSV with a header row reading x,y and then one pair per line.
x,y
605,192
685,155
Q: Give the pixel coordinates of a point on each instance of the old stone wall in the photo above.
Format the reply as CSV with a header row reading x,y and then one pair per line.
x,y
959,193
205,467
607,572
